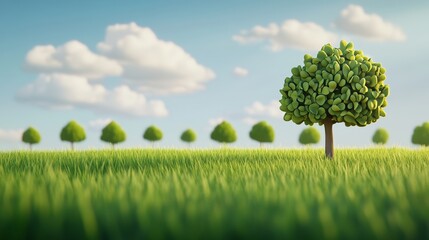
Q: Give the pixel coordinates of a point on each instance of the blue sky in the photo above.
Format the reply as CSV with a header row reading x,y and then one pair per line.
x,y
197,85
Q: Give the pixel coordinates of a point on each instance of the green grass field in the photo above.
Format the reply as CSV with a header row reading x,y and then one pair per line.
x,y
371,193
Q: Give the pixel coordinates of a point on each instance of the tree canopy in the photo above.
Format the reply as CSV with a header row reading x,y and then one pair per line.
x,y
113,133
381,136
188,136
262,132
153,134
309,135
421,135
224,132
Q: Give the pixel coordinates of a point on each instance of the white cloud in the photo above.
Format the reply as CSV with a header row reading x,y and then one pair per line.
x,y
355,20
98,124
151,64
10,135
68,91
250,120
240,72
71,58
145,63
291,34
215,121
258,109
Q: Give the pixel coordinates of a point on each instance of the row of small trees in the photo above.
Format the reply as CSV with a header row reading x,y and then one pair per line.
x,y
112,133
224,132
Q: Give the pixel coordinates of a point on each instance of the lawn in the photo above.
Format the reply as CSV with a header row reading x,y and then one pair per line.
x,y
369,193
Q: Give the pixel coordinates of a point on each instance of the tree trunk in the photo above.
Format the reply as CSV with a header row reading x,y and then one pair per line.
x,y
31,147
72,146
329,139
113,146
260,144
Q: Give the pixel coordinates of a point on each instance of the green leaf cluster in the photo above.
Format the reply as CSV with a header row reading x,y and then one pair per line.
x,y
421,135
381,136
262,132
152,134
188,136
340,83
309,135
224,133
73,132
113,133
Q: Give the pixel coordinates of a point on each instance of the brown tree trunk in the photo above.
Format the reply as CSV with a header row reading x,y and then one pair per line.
x,y
72,146
329,139
31,147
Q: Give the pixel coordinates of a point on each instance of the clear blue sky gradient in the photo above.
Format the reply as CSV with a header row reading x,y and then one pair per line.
x,y
205,29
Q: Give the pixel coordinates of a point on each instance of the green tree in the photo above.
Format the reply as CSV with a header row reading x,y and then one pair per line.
x,y
309,135
224,132
262,132
188,136
113,133
381,136
73,133
153,134
31,136
421,135
339,85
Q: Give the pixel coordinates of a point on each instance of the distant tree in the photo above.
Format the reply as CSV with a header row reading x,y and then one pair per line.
x,y
262,132
381,136
72,133
309,135
31,136
421,135
113,134
152,134
224,133
188,136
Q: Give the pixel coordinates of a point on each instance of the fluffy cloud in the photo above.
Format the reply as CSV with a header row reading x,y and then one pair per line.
x,y
258,109
10,135
355,20
71,58
151,64
98,124
291,34
133,53
250,120
240,72
68,91
215,121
